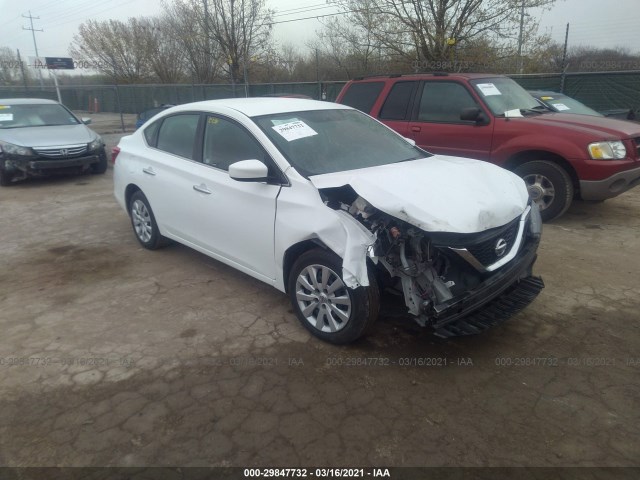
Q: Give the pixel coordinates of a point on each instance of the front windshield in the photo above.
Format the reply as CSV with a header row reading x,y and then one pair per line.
x,y
502,95
562,104
35,115
327,141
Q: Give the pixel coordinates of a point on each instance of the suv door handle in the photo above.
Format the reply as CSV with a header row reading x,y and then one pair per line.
x,y
202,188
415,129
149,171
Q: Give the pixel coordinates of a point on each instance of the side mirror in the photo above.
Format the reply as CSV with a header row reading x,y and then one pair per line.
x,y
86,120
473,114
411,141
249,171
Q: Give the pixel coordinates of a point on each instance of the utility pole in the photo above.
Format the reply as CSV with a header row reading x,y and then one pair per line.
x,y
520,66
564,59
24,78
35,44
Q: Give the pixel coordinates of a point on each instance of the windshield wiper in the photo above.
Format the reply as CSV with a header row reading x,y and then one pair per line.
x,y
536,109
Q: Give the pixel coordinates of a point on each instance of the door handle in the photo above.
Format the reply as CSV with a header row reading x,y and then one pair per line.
x,y
149,171
202,188
415,129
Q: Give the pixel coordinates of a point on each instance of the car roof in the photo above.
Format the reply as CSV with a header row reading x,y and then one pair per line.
x,y
256,106
411,76
26,101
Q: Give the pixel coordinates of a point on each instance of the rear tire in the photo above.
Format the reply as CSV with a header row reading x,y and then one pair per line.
x,y
549,185
144,223
324,305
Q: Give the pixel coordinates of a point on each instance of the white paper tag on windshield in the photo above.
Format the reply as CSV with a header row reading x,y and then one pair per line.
x,y
513,113
560,106
488,89
6,117
294,130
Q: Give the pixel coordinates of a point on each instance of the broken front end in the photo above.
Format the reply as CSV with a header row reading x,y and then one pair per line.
x,y
455,283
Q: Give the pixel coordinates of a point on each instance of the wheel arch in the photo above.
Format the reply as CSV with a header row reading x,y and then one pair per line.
x,y
523,157
294,251
128,193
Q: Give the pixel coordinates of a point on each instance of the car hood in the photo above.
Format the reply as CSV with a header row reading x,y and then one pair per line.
x,y
47,136
599,126
438,193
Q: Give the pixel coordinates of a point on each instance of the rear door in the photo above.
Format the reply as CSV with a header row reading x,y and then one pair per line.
x,y
436,124
397,108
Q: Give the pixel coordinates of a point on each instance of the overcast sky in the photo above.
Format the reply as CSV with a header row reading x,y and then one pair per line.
x,y
593,22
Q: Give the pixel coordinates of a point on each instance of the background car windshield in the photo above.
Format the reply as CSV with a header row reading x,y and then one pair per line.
x,y
568,105
326,141
19,116
503,94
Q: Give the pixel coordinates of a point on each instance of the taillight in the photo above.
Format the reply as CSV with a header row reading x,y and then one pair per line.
x,y
114,154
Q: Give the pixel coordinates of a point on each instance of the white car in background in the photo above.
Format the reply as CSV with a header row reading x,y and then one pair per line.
x,y
327,204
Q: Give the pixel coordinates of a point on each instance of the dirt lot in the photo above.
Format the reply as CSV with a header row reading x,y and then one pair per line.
x,y
114,355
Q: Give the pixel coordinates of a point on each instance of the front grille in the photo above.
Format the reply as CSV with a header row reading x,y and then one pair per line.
x,y
63,151
485,252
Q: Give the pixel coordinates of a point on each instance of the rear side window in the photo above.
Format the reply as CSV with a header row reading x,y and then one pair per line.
x,y
396,107
444,101
150,133
362,95
177,134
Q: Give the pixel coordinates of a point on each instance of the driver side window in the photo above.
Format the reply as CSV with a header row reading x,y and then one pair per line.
x,y
443,102
225,143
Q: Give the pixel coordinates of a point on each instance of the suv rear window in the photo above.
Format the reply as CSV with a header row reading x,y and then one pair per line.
x,y
397,104
362,95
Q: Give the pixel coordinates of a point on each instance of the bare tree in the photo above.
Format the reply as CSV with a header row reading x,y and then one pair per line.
x,y
166,56
240,28
11,68
118,49
432,30
186,25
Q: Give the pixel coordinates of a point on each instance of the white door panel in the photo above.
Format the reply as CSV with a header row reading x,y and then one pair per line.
x,y
229,218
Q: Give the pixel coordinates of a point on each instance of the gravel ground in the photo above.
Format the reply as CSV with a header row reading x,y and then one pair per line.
x,y
114,355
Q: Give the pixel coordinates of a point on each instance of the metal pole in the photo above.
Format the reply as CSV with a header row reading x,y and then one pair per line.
x,y
119,108
55,81
520,67
564,59
318,76
24,78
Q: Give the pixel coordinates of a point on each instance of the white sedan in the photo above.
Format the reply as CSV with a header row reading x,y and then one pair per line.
x,y
332,207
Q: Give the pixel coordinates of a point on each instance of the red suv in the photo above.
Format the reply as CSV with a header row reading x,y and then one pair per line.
x,y
490,117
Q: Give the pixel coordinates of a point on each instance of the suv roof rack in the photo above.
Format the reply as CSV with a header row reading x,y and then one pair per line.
x,y
398,75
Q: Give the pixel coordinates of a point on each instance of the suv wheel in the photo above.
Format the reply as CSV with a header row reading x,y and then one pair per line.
x,y
325,305
549,186
144,222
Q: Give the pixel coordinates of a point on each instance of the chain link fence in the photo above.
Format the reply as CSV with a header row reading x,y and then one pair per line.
x,y
598,90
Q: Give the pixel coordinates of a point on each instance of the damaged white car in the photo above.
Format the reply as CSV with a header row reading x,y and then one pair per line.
x,y
327,204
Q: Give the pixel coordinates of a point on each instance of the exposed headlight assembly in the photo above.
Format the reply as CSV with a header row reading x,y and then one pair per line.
x,y
607,150
12,149
95,144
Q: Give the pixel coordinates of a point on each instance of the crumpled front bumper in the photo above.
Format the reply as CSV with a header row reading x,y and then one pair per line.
x,y
495,300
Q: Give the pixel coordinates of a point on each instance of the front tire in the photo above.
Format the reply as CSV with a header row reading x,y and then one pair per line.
x,y
144,222
323,303
5,178
549,185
